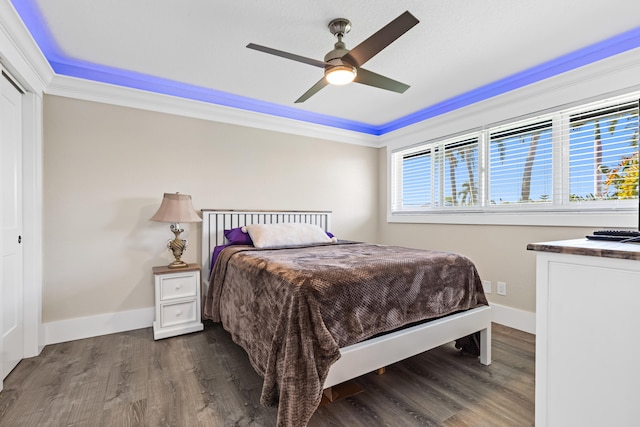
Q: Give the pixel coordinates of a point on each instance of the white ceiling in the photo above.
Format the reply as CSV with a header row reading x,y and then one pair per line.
x,y
458,46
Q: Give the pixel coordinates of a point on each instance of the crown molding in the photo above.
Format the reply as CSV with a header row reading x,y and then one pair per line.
x,y
88,90
608,77
20,54
605,77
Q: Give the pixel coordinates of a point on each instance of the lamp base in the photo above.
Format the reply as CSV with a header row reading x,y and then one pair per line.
x,y
177,246
178,264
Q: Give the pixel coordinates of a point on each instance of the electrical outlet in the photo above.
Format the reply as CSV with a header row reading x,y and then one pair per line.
x,y
501,288
486,286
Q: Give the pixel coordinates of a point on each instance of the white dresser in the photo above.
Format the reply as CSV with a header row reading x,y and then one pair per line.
x,y
587,333
177,301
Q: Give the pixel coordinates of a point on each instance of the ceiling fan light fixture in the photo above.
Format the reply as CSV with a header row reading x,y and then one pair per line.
x,y
340,74
343,66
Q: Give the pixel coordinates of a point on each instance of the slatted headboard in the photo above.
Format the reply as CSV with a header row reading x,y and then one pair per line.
x,y
214,222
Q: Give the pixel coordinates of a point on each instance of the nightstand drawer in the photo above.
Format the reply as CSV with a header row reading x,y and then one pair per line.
x,y
177,287
178,313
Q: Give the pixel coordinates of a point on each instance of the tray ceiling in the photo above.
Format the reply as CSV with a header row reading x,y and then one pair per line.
x,y
460,53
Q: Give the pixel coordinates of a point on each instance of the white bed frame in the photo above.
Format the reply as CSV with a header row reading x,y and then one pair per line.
x,y
372,354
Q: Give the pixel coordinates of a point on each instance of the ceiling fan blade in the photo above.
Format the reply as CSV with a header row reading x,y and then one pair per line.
x,y
314,89
287,55
370,78
381,39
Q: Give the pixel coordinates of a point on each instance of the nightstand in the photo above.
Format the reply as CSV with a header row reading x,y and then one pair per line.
x,y
177,301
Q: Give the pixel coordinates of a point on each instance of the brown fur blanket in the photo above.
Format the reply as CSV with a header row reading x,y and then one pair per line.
x,y
292,309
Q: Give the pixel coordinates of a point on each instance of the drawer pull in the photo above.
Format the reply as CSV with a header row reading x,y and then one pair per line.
x,y
178,286
179,313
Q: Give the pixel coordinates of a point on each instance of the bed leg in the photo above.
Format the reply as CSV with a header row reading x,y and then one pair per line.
x,y
330,394
339,391
381,371
485,346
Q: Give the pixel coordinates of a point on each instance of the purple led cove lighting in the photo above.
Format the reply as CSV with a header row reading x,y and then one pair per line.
x,y
601,50
36,25
63,65
148,83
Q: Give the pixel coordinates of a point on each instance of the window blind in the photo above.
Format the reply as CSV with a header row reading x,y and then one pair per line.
x,y
417,187
520,164
603,153
460,164
580,158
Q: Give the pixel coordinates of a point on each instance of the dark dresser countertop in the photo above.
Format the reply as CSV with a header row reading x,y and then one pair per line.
x,y
597,248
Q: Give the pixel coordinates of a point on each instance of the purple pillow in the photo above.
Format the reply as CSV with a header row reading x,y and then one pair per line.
x,y
235,236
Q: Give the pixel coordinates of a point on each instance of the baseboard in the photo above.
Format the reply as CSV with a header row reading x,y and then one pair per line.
x,y
514,318
102,324
110,323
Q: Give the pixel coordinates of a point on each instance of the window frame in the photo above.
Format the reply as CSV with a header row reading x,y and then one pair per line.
x,y
560,212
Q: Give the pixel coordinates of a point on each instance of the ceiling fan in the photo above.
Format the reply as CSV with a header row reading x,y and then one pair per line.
x,y
342,66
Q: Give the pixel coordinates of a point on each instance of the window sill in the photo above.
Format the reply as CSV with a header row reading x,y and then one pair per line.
x,y
597,219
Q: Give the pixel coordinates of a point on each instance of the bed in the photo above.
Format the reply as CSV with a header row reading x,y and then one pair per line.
x,y
312,351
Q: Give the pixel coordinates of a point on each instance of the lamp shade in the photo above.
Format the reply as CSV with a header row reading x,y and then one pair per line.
x,y
176,208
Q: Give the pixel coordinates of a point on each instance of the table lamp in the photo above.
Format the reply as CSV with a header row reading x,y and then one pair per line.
x,y
176,208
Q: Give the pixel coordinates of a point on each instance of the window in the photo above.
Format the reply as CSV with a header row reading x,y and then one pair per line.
x,y
585,158
444,174
460,170
603,159
520,162
417,171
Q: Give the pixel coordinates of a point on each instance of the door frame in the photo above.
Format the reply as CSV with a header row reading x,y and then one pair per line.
x,y
32,195
22,58
32,218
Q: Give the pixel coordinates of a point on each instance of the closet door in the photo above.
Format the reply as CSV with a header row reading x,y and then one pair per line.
x,y
11,322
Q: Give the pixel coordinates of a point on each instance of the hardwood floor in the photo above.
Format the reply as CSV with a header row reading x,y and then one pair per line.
x,y
204,379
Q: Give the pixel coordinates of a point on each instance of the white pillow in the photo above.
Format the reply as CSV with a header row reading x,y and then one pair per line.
x,y
286,234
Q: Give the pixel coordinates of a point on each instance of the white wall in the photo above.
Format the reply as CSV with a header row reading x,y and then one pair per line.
x,y
106,168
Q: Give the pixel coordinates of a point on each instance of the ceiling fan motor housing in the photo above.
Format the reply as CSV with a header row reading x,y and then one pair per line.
x,y
335,57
